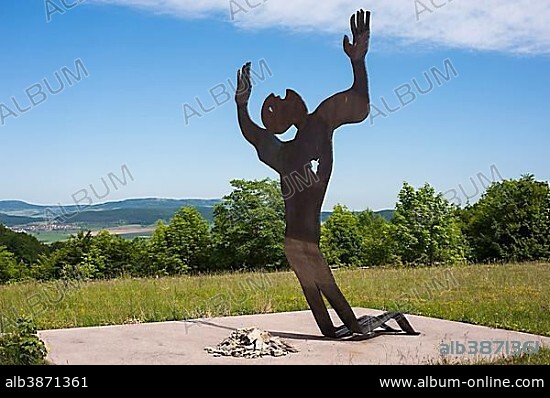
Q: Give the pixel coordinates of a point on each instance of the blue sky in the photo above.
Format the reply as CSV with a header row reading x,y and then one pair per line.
x,y
145,61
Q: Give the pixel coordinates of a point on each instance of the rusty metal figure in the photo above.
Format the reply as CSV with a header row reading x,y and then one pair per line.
x,y
295,162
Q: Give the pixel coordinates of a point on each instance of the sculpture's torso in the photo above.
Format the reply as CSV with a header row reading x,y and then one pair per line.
x,y
303,189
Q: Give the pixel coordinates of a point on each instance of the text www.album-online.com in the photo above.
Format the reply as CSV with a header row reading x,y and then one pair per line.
x,y
485,382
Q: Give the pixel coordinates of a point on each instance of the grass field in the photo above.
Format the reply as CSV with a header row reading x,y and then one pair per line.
x,y
130,231
515,297
53,236
127,232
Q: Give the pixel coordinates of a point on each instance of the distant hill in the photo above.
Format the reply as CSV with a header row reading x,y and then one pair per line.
x,y
126,212
15,220
138,211
25,247
139,216
386,214
131,211
155,203
16,205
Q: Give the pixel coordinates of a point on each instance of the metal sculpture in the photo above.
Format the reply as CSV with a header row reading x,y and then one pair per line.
x,y
304,186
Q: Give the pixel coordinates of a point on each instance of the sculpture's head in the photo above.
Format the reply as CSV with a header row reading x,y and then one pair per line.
x,y
279,114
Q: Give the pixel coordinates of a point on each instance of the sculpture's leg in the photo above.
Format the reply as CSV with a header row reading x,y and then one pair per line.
x,y
318,307
296,253
315,277
337,300
327,284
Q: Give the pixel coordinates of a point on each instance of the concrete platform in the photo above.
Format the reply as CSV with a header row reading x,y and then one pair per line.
x,y
183,342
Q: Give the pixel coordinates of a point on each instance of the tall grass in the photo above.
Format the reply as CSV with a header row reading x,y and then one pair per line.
x,y
515,296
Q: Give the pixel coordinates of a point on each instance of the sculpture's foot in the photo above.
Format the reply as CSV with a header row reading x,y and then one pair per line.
x,y
369,324
341,332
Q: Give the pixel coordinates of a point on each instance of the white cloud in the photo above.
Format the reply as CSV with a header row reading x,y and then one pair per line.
x,y
520,27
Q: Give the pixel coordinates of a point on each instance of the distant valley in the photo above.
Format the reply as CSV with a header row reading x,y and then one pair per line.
x,y
131,217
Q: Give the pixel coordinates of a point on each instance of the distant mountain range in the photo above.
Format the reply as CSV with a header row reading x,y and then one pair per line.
x,y
126,212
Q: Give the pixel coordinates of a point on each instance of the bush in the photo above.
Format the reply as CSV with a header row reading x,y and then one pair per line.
x,y
22,347
249,227
511,222
182,245
356,239
341,240
378,244
426,228
25,248
8,266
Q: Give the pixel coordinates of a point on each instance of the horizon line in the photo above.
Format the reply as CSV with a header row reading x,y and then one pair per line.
x,y
156,198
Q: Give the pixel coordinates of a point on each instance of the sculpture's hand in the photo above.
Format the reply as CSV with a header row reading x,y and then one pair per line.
x,y
360,27
244,85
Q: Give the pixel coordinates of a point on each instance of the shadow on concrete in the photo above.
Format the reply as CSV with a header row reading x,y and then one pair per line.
x,y
302,336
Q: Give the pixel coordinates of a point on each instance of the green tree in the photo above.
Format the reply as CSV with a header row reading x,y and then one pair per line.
x,y
511,221
110,255
8,266
341,239
45,268
426,228
182,245
188,237
377,242
73,260
25,248
249,225
141,257
162,261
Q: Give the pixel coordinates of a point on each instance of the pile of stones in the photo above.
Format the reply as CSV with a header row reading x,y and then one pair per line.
x,y
251,343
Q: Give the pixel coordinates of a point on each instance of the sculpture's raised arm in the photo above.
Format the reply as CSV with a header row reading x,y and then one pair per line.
x,y
266,144
353,105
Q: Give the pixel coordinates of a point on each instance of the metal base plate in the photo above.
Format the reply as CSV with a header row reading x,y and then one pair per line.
x,y
376,325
